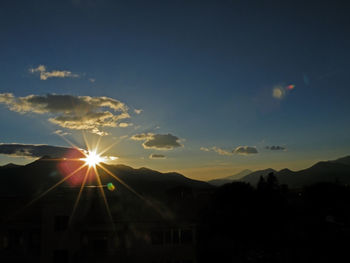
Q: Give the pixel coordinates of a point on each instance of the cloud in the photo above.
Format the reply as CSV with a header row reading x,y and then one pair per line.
x,y
44,75
245,150
71,112
32,151
205,149
125,124
221,151
111,158
157,156
158,141
276,148
61,133
217,150
138,111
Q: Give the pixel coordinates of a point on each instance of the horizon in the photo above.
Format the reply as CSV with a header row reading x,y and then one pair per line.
x,y
204,179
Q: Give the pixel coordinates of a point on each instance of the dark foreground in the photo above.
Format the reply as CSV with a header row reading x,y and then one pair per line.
x,y
233,223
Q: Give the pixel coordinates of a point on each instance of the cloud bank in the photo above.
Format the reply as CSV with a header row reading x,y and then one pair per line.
x,y
71,112
158,141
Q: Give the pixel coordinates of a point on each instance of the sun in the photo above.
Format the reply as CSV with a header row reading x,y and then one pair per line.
x,y
92,159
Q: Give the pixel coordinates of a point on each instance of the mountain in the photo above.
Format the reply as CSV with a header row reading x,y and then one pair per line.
x,y
229,179
326,171
36,177
254,177
9,165
344,160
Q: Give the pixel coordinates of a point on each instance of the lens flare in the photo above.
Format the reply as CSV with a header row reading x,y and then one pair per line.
x,y
81,167
278,92
110,187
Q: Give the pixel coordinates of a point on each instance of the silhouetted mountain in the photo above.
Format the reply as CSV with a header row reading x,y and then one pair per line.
x,y
254,177
9,165
39,175
229,179
344,160
325,171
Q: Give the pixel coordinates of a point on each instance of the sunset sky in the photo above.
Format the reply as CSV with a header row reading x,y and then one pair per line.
x,y
204,88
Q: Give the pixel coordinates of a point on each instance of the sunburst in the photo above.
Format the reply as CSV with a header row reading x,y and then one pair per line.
x,y
92,160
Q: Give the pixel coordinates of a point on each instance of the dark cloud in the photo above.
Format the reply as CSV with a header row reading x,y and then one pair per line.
x,y
157,156
275,148
245,150
71,112
33,151
158,141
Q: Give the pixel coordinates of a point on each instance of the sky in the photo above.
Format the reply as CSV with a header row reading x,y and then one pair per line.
x,y
204,88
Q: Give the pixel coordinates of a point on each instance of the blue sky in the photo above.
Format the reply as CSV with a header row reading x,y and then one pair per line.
x,y
203,71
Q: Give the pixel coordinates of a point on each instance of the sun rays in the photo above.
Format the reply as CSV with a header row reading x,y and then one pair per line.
x,y
87,167
92,159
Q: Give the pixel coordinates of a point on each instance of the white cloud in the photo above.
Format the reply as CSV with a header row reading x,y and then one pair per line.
x,y
221,151
138,111
205,149
217,150
61,133
125,124
44,75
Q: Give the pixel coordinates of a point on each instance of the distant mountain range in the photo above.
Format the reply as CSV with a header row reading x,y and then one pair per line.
x,y
325,171
229,179
36,177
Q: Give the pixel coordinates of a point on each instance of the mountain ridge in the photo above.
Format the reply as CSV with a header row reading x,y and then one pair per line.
x,y
324,171
45,172
337,170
